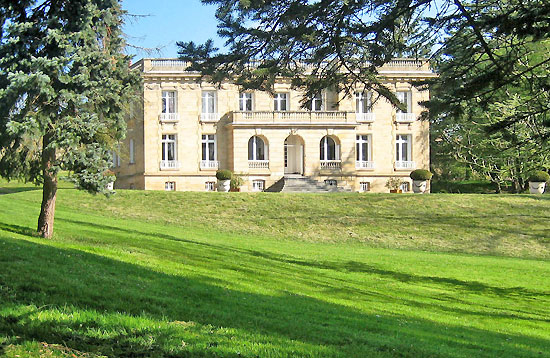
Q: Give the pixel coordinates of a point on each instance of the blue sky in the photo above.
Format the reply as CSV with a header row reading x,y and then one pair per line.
x,y
169,21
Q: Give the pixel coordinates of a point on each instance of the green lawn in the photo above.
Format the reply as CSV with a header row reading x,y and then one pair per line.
x,y
155,274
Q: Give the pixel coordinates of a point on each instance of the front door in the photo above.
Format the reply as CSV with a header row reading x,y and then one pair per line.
x,y
294,156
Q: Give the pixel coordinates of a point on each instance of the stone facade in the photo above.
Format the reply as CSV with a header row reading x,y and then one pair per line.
x,y
171,111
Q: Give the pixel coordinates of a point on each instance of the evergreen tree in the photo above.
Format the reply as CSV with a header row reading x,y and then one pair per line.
x,y
64,88
501,135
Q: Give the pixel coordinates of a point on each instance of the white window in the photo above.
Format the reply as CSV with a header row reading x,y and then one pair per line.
x,y
209,186
245,101
363,102
256,149
331,182
403,148
364,186
280,102
258,185
329,149
170,186
363,148
405,97
404,187
316,103
168,147
132,155
169,101
209,102
209,147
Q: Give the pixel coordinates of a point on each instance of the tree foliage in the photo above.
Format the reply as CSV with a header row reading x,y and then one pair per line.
x,y
345,41
64,88
503,130
509,154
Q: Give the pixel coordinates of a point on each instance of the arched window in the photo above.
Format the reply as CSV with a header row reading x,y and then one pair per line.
x,y
329,149
257,150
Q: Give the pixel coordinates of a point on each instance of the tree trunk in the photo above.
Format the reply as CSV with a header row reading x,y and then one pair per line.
x,y
517,186
49,190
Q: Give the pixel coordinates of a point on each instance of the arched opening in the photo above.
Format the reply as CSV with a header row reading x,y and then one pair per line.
x,y
294,155
257,148
329,148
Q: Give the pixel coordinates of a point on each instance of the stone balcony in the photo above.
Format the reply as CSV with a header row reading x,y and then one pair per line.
x,y
168,118
404,165
405,117
169,165
209,164
305,118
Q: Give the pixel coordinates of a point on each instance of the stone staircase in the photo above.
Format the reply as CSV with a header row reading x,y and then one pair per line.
x,y
303,184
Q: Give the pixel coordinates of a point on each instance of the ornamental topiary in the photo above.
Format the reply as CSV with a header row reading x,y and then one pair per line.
x,y
421,174
224,174
539,176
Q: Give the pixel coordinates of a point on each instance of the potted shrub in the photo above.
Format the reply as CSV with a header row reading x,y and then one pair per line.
x,y
537,181
224,179
235,183
420,179
394,184
111,184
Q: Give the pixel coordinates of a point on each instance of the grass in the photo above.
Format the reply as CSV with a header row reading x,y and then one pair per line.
x,y
155,274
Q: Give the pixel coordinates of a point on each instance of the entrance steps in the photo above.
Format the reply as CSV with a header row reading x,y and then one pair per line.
x,y
294,183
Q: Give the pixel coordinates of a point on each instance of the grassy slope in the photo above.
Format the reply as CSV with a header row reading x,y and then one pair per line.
x,y
156,274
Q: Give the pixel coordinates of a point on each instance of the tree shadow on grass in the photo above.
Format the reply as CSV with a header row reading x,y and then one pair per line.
x,y
72,281
19,189
354,266
17,229
349,266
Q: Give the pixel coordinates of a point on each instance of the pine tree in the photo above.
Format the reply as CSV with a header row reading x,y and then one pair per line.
x,y
64,88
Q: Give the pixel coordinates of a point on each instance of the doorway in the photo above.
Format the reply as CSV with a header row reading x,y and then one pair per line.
x,y
294,155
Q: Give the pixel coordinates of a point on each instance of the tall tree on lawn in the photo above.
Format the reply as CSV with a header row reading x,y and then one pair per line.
x,y
64,88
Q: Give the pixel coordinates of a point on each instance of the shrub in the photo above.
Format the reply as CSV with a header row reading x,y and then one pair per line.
x,y
224,174
421,174
236,182
539,176
394,183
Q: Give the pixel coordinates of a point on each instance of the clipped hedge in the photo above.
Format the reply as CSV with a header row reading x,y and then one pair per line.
x,y
421,174
224,174
539,176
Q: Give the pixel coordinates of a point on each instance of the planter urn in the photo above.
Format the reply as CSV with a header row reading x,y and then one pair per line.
x,y
537,187
224,185
419,186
